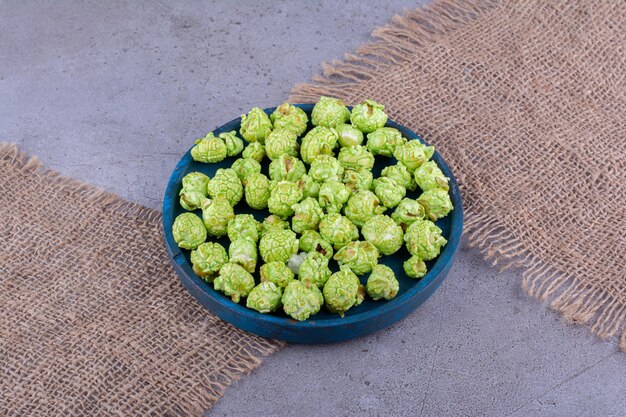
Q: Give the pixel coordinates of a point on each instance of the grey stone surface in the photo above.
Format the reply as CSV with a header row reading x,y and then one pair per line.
x,y
114,92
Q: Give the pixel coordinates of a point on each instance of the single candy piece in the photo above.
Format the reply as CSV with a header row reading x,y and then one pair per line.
x,y
436,203
283,196
314,270
326,168
413,154
333,196
244,253
234,281
384,141
207,260
414,267
407,212
287,116
287,167
255,126
318,141
279,142
358,180
209,149
356,157
312,241
243,226
382,283
265,297
359,256
368,116
301,302
234,145
278,246
188,231
309,187
193,192
216,214
383,233
307,215
226,184
342,291
254,150
338,230
276,272
401,175
362,206
389,191
429,176
257,190
423,239
349,135
273,223
329,112
245,166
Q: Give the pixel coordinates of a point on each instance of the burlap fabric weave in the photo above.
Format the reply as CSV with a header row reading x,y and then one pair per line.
x,y
93,320
526,101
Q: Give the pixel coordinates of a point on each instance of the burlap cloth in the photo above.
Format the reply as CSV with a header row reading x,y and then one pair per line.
x,y
526,101
93,320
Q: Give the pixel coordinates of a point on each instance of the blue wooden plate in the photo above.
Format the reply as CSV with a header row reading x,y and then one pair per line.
x,y
323,327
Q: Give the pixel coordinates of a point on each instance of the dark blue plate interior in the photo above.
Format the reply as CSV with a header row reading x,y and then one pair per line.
x,y
322,327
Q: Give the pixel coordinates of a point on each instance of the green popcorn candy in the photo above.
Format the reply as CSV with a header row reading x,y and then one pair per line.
x,y
383,233
413,154
342,291
368,116
356,157
277,273
329,112
209,149
361,179
359,256
273,223
325,168
338,230
278,246
309,187
401,175
207,260
384,141
307,215
257,190
265,297
349,135
314,270
292,118
244,253
382,283
423,239
301,302
362,206
234,281
287,167
245,166
318,141
188,231
333,196
312,241
243,226
234,145
283,196
436,203
407,212
255,126
279,142
429,176
414,267
194,190
226,184
389,191
254,150
216,214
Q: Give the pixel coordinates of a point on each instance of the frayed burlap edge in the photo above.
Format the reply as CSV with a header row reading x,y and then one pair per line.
x,y
578,301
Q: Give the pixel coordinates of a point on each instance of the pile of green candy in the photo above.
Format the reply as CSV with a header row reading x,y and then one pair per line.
x,y
325,205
